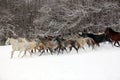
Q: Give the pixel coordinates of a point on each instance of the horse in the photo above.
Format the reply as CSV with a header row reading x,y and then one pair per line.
x,y
115,36
98,38
85,41
20,45
48,43
69,43
51,45
81,42
65,43
41,48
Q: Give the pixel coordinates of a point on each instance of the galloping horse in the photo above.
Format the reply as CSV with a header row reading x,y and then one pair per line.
x,y
98,38
48,43
65,43
115,36
60,42
85,41
20,45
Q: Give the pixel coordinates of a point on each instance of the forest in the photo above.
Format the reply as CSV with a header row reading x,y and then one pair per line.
x,y
32,18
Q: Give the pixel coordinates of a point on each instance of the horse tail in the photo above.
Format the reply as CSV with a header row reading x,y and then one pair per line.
x,y
91,42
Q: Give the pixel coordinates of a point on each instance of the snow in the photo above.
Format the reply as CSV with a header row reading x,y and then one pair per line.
x,y
102,63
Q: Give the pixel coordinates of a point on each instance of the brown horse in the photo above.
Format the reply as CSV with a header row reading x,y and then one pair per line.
x,y
115,36
48,43
41,48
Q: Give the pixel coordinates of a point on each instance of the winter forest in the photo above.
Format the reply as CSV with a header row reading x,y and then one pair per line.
x,y
30,18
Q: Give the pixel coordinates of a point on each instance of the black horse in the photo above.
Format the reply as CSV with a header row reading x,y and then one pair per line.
x,y
98,38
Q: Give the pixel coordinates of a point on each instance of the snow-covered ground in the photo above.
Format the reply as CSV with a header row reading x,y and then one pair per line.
x,y
103,63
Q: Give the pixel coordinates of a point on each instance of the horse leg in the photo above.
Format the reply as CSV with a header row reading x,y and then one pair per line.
x,y
93,46
62,50
32,50
19,53
39,49
56,48
24,53
75,48
65,49
74,45
59,50
117,43
112,44
47,50
98,44
82,47
30,53
42,52
35,49
70,48
78,45
88,43
12,54
51,51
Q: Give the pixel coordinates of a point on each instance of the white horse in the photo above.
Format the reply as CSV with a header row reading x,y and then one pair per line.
x,y
21,44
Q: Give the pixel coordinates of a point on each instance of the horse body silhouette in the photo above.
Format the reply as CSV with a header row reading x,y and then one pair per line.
x,y
20,45
97,38
115,36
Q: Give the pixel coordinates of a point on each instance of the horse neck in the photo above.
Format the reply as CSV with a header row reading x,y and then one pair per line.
x,y
113,32
57,39
25,40
13,41
90,35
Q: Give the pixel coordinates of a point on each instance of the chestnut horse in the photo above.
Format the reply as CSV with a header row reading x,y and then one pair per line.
x,y
115,36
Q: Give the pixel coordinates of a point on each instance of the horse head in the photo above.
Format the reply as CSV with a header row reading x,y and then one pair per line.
x,y
108,30
57,38
83,34
7,41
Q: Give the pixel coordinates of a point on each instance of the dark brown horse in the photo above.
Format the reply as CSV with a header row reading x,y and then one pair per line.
x,y
115,36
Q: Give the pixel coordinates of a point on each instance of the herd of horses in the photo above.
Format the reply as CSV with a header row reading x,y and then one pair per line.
x,y
59,43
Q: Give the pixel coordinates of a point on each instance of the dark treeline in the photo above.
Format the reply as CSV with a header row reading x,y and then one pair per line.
x,y
30,18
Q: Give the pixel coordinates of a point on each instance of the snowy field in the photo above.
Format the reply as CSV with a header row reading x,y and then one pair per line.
x,y
103,63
